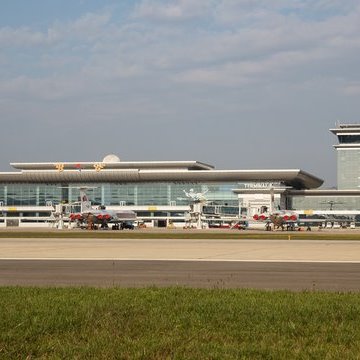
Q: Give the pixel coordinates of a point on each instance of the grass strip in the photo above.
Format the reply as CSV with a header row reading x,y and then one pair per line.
x,y
177,323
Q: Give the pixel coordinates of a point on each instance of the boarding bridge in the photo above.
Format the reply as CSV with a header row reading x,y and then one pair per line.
x,y
256,202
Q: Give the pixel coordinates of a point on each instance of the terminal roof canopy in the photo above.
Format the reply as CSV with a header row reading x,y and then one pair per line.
x,y
115,170
189,165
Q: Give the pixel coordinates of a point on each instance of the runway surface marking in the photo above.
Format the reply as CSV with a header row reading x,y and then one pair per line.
x,y
189,260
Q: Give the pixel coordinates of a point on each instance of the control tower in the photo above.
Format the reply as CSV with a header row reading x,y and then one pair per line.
x,y
348,156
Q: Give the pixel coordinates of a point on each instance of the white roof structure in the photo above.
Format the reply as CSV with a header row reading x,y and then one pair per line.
x,y
106,164
351,132
113,170
346,129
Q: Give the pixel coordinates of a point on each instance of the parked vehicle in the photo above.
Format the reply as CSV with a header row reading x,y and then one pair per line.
x,y
127,225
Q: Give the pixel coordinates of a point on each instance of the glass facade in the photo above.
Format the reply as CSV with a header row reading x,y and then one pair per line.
x,y
324,203
349,139
129,194
348,169
30,194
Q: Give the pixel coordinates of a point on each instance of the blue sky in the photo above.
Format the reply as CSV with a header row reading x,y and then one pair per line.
x,y
240,84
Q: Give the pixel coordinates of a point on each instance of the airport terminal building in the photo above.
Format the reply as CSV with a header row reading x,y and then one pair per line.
x,y
156,190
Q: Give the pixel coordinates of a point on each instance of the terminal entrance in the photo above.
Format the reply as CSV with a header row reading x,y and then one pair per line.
x,y
160,223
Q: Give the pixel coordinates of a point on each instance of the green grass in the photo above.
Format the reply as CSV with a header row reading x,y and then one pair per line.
x,y
177,323
174,234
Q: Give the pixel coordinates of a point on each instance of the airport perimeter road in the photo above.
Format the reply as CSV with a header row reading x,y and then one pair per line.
x,y
267,264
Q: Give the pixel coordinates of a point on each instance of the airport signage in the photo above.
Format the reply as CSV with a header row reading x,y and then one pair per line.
x,y
260,185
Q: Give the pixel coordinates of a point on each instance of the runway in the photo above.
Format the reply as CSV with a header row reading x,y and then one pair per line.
x,y
205,274
263,264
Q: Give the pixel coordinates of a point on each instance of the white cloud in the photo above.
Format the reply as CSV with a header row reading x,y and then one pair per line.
x,y
257,54
87,27
246,72
95,54
172,10
352,89
259,12
21,37
49,88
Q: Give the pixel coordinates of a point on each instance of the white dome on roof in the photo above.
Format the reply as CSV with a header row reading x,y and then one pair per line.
x,y
111,158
